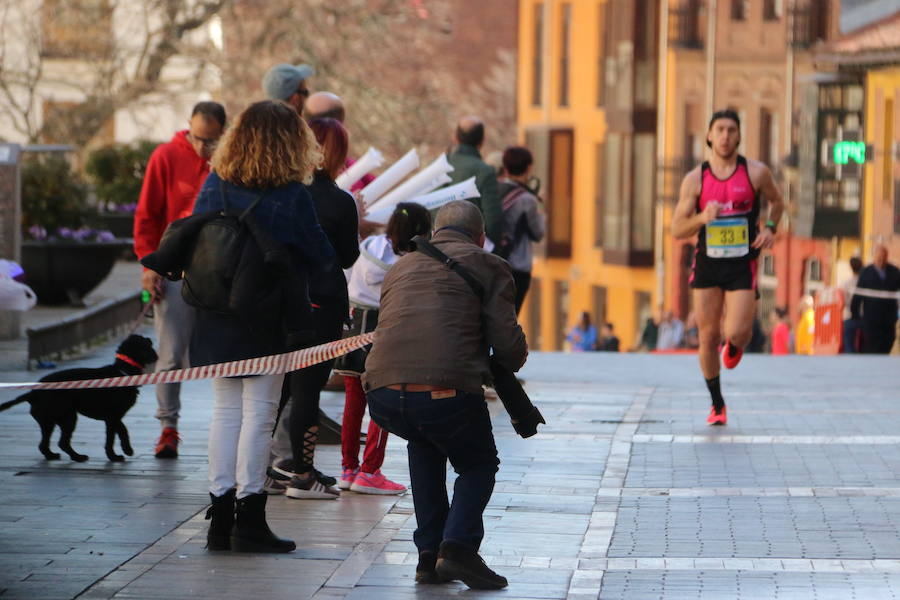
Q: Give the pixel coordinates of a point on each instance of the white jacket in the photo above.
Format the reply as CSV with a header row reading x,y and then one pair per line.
x,y
364,283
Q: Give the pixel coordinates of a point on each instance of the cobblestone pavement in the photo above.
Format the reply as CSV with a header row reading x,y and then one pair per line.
x,y
626,494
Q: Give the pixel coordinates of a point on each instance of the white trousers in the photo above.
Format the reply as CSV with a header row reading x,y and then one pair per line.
x,y
241,432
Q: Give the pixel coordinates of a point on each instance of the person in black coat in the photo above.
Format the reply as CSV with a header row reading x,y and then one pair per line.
x,y
338,215
267,155
879,315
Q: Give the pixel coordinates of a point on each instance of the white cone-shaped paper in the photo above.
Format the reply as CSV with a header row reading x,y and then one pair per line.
x,y
422,182
369,161
386,206
394,174
436,199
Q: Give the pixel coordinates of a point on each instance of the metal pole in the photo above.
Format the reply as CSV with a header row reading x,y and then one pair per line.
x,y
662,97
711,11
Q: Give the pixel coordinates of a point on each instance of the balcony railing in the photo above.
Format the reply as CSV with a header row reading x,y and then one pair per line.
x,y
673,171
807,22
684,25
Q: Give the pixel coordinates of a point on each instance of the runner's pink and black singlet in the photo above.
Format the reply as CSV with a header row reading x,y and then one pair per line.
x,y
724,256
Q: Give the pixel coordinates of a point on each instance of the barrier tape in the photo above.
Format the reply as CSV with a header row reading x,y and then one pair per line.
x,y
264,365
874,293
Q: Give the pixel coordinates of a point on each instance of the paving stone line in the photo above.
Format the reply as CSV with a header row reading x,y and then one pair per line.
x,y
587,582
791,492
365,552
644,438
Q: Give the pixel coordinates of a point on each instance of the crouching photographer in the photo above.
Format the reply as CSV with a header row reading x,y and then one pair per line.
x,y
424,376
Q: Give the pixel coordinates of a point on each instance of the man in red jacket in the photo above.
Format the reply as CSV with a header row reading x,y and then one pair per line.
x,y
174,175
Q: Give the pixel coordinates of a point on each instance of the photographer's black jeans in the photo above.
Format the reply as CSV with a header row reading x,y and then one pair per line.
x,y
458,429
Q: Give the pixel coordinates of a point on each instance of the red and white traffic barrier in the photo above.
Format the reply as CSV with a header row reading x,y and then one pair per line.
x,y
264,365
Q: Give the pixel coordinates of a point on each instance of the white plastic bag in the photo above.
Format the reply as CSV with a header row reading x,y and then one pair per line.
x,y
15,295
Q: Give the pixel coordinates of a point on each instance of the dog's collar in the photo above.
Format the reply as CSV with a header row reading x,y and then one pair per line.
x,y
129,360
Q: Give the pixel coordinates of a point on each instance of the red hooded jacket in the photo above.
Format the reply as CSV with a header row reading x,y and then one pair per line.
x,y
174,176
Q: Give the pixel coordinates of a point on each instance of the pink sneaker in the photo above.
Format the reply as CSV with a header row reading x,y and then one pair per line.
x,y
375,483
347,478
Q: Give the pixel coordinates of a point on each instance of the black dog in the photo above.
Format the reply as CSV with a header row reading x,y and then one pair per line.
x,y
61,407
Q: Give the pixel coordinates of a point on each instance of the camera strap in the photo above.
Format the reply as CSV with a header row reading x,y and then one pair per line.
x,y
421,244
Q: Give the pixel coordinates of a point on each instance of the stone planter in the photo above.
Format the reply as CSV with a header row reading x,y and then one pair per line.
x,y
63,272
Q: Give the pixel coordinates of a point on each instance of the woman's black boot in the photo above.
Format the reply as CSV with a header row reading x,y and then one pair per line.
x,y
221,519
251,533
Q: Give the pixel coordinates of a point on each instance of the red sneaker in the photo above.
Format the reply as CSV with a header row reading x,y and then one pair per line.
x,y
731,355
717,418
167,446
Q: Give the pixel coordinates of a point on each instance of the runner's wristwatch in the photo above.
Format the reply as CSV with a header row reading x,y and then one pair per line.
x,y
771,225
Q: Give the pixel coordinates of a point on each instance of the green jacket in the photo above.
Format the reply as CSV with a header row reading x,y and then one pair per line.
x,y
466,161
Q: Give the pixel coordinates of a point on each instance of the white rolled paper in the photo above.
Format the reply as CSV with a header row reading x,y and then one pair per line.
x,y
388,204
369,161
394,174
436,199
426,180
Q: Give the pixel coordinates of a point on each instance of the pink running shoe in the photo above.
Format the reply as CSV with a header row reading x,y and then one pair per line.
x,y
731,355
717,418
347,478
375,483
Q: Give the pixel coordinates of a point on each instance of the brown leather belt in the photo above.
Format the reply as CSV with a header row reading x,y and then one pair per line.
x,y
436,390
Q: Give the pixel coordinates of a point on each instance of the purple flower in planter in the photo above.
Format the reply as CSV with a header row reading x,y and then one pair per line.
x,y
126,208
83,233
105,236
37,232
65,233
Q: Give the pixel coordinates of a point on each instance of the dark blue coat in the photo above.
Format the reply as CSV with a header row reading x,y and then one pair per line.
x,y
287,213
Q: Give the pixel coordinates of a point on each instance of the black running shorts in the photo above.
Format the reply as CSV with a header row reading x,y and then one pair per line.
x,y
726,274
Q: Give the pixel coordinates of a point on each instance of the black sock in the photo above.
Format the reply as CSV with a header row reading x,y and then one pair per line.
x,y
715,391
732,350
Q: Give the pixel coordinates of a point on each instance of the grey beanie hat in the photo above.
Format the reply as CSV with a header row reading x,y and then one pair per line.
x,y
281,81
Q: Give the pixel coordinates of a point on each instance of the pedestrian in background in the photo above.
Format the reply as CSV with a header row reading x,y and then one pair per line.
x,y
781,332
465,157
691,332
523,217
852,333
806,327
337,214
175,172
649,336
377,254
583,336
878,314
671,332
261,164
288,83
608,341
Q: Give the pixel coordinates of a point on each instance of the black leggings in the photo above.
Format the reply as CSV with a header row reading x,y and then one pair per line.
x,y
305,387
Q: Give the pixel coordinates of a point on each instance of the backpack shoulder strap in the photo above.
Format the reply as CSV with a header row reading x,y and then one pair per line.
x,y
512,196
428,249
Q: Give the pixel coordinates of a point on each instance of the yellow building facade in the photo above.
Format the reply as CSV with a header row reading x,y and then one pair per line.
x,y
597,256
881,197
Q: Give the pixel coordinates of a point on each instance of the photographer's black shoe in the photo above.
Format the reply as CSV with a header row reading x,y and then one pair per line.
x,y
458,562
425,572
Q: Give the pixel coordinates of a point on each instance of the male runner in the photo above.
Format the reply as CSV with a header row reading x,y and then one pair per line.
x,y
720,200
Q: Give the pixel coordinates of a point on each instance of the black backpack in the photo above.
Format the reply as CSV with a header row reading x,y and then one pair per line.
x,y
223,250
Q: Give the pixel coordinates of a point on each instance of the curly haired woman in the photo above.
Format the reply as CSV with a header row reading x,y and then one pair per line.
x,y
265,158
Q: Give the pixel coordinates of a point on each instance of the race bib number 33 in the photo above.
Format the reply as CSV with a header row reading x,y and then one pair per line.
x,y
727,238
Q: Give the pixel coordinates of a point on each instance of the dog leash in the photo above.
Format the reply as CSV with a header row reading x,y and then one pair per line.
x,y
148,305
274,364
